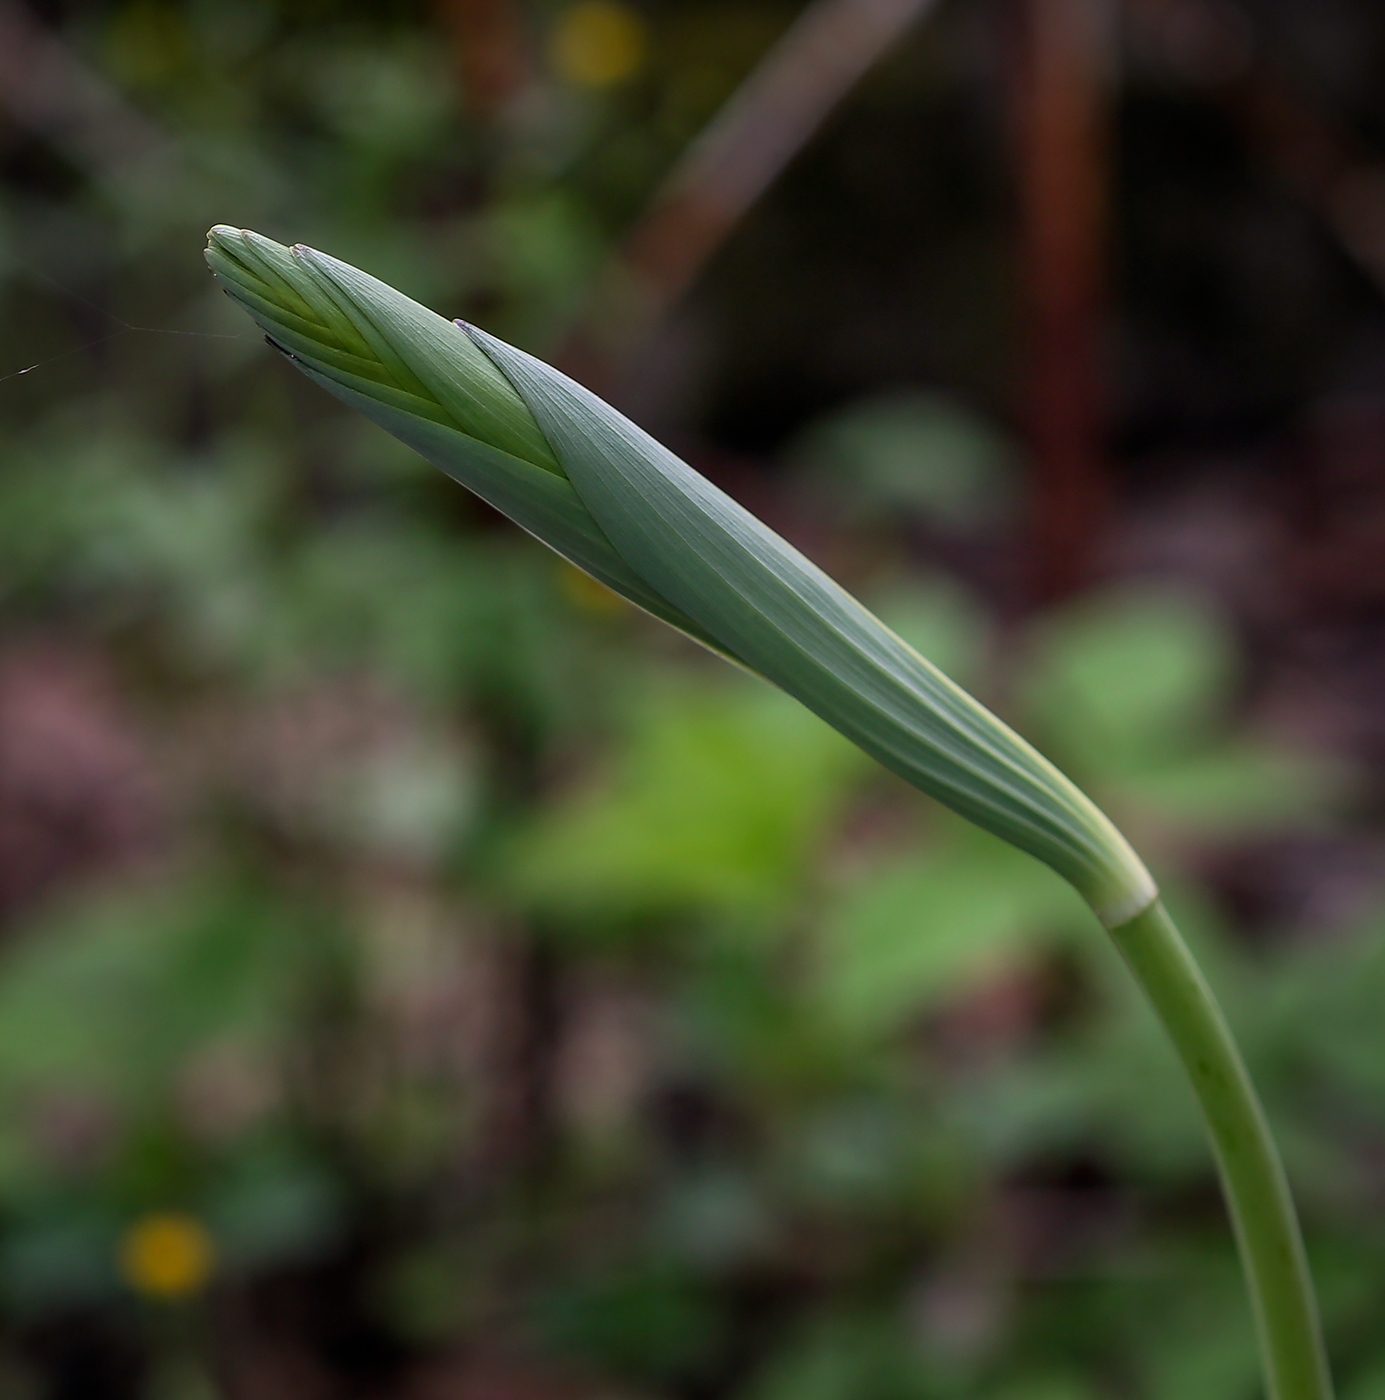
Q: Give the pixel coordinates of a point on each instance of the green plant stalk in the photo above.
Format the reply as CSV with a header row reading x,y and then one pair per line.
x,y
1252,1175
592,486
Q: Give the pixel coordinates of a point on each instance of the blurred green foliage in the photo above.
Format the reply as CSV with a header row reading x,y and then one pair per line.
x,y
492,975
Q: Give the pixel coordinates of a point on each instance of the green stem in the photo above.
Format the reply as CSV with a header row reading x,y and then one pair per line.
x,y
1257,1191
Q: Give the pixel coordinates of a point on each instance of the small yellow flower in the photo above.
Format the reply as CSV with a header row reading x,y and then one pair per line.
x,y
167,1254
597,43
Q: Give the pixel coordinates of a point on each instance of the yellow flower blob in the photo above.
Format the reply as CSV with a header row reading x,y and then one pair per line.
x,y
588,594
598,43
167,1254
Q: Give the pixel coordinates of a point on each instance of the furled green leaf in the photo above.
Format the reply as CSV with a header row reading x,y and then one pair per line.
x,y
589,483
789,621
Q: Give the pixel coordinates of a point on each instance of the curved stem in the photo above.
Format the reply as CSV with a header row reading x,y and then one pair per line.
x,y
1257,1191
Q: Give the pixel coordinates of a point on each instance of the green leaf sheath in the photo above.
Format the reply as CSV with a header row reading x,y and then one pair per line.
x,y
1257,1191
364,335
789,621
543,503
420,378
601,492
591,485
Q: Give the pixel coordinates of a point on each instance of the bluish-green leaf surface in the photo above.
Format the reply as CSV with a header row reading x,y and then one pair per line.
x,y
593,486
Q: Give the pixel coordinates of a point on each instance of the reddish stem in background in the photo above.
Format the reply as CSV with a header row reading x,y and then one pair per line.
x,y
1061,156
491,51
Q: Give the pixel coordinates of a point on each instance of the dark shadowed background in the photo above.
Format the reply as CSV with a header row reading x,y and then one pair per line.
x,y
421,976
